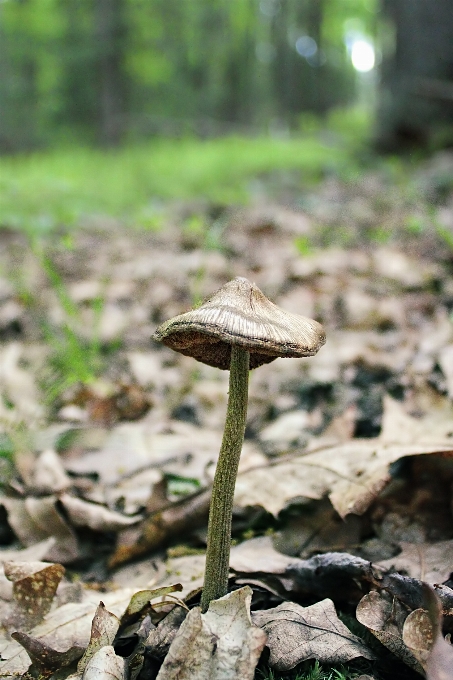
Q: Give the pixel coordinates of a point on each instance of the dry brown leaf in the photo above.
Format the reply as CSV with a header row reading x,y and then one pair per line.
x,y
298,633
259,555
380,615
49,475
35,519
97,517
105,665
104,627
222,644
34,588
140,602
422,634
399,426
66,627
351,474
44,657
430,562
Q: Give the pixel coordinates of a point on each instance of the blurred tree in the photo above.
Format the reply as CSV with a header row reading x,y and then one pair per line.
x,y
110,34
417,76
18,78
107,70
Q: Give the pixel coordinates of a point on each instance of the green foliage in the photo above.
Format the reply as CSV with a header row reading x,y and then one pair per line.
x,y
72,70
308,671
446,235
303,245
73,358
61,187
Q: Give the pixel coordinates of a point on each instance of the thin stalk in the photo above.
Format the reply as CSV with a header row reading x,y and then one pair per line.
x,y
221,508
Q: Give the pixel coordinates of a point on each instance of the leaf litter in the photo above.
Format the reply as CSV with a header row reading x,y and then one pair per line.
x,y
347,460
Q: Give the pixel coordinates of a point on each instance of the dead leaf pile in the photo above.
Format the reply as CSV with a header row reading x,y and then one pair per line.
x,y
348,458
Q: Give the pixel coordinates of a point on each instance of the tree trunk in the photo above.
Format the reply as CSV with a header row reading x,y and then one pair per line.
x,y
110,37
416,98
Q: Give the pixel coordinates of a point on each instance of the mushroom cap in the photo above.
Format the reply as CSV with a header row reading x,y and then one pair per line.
x,y
240,314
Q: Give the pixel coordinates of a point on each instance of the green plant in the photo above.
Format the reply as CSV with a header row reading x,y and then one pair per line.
x,y
308,671
237,328
42,191
73,358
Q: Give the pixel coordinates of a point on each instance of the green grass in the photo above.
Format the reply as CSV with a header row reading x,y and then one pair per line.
x,y
62,187
308,671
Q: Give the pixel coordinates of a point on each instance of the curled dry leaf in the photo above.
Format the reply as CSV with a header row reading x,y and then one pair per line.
x,y
44,658
35,519
65,627
34,588
422,633
378,614
103,630
48,475
97,517
105,665
335,574
296,633
430,562
351,474
160,638
222,644
140,601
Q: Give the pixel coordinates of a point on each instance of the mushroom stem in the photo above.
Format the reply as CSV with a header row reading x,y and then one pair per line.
x,y
221,508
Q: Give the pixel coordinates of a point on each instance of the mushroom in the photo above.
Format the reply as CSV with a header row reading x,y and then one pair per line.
x,y
238,329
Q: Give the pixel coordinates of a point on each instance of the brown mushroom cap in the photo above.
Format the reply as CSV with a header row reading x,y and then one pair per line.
x,y
240,314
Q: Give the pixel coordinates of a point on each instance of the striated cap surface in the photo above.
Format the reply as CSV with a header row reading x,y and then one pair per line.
x,y
240,314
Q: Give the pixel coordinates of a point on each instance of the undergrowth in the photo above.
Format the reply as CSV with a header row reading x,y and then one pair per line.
x,y
70,186
308,670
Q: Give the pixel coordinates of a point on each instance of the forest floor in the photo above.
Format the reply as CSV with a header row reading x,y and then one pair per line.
x,y
109,440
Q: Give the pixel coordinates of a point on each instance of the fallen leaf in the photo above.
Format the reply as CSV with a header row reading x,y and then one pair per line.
x,y
49,475
188,569
422,634
105,665
18,388
35,553
44,658
351,474
259,555
35,519
336,575
141,600
66,627
161,637
430,562
378,614
222,644
97,517
104,627
34,588
296,633
399,426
